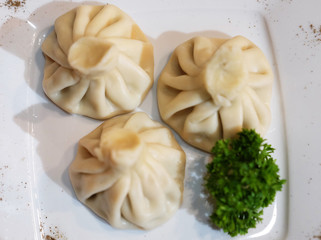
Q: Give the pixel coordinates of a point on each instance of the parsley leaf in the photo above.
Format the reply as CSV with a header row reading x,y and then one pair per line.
x,y
243,179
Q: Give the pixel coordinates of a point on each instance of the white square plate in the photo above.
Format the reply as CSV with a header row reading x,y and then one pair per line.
x,y
39,141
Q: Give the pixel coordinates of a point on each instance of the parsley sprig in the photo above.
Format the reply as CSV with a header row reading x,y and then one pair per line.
x,y
243,179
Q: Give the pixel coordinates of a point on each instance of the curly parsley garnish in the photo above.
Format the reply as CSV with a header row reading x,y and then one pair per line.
x,y
243,179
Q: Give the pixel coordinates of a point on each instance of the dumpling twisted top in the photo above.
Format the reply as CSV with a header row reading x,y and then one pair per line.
x,y
98,62
212,88
130,171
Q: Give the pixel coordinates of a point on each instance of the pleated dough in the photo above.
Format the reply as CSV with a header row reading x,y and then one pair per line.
x,y
212,88
98,62
130,171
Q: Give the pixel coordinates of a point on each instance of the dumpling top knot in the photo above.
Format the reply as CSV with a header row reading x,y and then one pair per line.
x,y
225,75
98,62
92,56
121,148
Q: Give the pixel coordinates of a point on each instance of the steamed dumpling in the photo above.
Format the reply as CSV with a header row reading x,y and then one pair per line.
x,y
130,171
98,62
212,88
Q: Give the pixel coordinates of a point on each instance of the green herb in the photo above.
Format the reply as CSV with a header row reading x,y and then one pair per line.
x,y
243,179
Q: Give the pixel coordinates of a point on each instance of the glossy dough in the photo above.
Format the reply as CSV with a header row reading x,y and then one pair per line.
x,y
212,88
130,171
98,62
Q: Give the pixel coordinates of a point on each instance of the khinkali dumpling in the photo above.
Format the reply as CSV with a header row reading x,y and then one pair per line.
x,y
98,62
130,171
212,88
